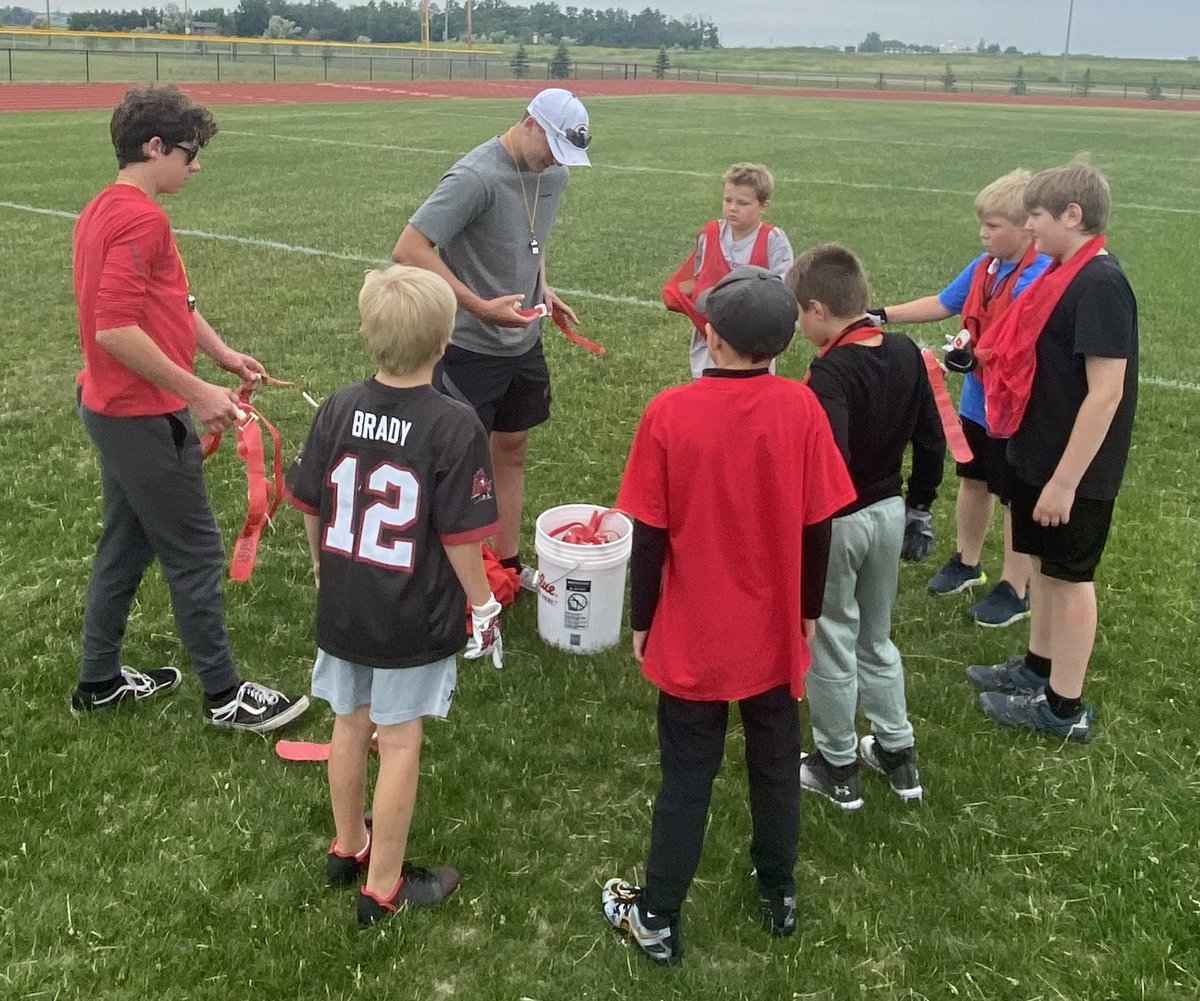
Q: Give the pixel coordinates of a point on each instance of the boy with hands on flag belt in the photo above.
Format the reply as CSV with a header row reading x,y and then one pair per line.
x,y
980,294
139,332
874,387
395,484
1060,373
738,469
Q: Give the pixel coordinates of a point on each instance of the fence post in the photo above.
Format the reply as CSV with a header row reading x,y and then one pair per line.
x,y
716,76
325,66
274,67
449,69
87,66
218,67
924,83
972,90
156,76
1126,94
485,66
371,68
412,67
10,65
635,71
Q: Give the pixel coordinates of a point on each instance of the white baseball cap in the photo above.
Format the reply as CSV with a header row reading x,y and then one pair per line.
x,y
564,119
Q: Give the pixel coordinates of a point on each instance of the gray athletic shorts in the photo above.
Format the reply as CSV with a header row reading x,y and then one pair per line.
x,y
395,695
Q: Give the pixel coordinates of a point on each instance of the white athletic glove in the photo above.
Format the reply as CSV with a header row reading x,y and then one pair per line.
x,y
960,356
877,317
485,633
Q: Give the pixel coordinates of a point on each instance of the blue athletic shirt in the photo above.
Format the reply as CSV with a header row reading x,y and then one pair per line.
x,y
954,297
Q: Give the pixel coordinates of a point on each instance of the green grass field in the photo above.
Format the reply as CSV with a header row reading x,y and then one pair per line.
x,y
147,856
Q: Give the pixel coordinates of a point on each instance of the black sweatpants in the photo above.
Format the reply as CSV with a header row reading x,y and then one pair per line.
x,y
691,740
155,505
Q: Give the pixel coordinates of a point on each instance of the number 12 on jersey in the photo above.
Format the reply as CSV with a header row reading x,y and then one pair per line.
x,y
399,492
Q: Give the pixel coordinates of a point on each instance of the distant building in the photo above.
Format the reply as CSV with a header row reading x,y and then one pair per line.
x,y
205,28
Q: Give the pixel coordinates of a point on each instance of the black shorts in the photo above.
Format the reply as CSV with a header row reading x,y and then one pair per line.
x,y
990,461
508,393
1070,552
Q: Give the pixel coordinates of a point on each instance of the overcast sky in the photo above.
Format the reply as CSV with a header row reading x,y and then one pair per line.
x,y
1150,28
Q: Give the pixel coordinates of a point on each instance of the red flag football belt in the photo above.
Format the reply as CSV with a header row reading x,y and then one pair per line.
x,y
956,441
264,490
560,319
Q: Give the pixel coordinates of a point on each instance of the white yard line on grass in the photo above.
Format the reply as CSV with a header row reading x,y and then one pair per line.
x,y
291,248
860,185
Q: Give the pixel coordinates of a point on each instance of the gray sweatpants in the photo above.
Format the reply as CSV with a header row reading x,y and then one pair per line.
x,y
155,505
854,659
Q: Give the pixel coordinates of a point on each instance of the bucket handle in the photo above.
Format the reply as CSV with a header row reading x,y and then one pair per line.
x,y
542,578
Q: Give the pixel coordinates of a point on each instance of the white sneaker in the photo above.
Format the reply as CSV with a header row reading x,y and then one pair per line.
x,y
256,708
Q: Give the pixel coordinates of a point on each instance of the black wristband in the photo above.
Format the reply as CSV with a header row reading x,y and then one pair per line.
x,y
880,312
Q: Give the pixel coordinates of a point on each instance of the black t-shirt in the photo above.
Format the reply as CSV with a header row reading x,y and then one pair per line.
x,y
1096,316
395,475
878,400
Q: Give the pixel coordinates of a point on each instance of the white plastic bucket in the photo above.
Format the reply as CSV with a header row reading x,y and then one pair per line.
x,y
581,589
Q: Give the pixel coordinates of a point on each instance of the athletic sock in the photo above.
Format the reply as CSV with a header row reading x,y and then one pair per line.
x,y
1038,664
222,698
96,687
1061,706
512,563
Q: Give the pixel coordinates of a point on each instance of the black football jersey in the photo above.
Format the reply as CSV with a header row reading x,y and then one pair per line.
x,y
394,475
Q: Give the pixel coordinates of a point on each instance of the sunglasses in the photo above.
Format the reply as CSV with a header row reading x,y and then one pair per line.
x,y
189,152
579,137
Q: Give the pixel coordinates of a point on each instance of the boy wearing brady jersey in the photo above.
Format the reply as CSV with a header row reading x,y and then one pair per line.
x,y
395,484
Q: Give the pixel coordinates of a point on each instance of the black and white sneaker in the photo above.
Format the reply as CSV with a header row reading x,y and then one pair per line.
x,y
657,935
899,767
838,784
130,685
779,909
256,708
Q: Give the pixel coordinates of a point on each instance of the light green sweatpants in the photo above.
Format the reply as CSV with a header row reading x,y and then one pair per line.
x,y
854,659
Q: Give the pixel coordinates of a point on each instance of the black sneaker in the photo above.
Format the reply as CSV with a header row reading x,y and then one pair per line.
x,y
343,868
255,708
779,910
837,783
129,685
418,887
900,767
657,935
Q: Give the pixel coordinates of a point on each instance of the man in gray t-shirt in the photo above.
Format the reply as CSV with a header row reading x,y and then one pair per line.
x,y
484,229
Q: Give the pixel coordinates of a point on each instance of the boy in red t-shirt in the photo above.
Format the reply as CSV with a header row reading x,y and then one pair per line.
x,y
731,482
139,331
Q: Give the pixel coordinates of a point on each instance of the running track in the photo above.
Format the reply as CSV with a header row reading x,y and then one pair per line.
x,y
104,96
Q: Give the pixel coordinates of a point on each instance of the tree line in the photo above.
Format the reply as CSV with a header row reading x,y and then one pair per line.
x,y
874,42
493,21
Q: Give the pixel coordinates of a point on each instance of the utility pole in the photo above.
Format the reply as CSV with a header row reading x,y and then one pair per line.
x,y
1067,44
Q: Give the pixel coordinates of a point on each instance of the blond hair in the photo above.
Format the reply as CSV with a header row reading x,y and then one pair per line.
x,y
1005,197
1075,183
752,175
831,275
407,315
